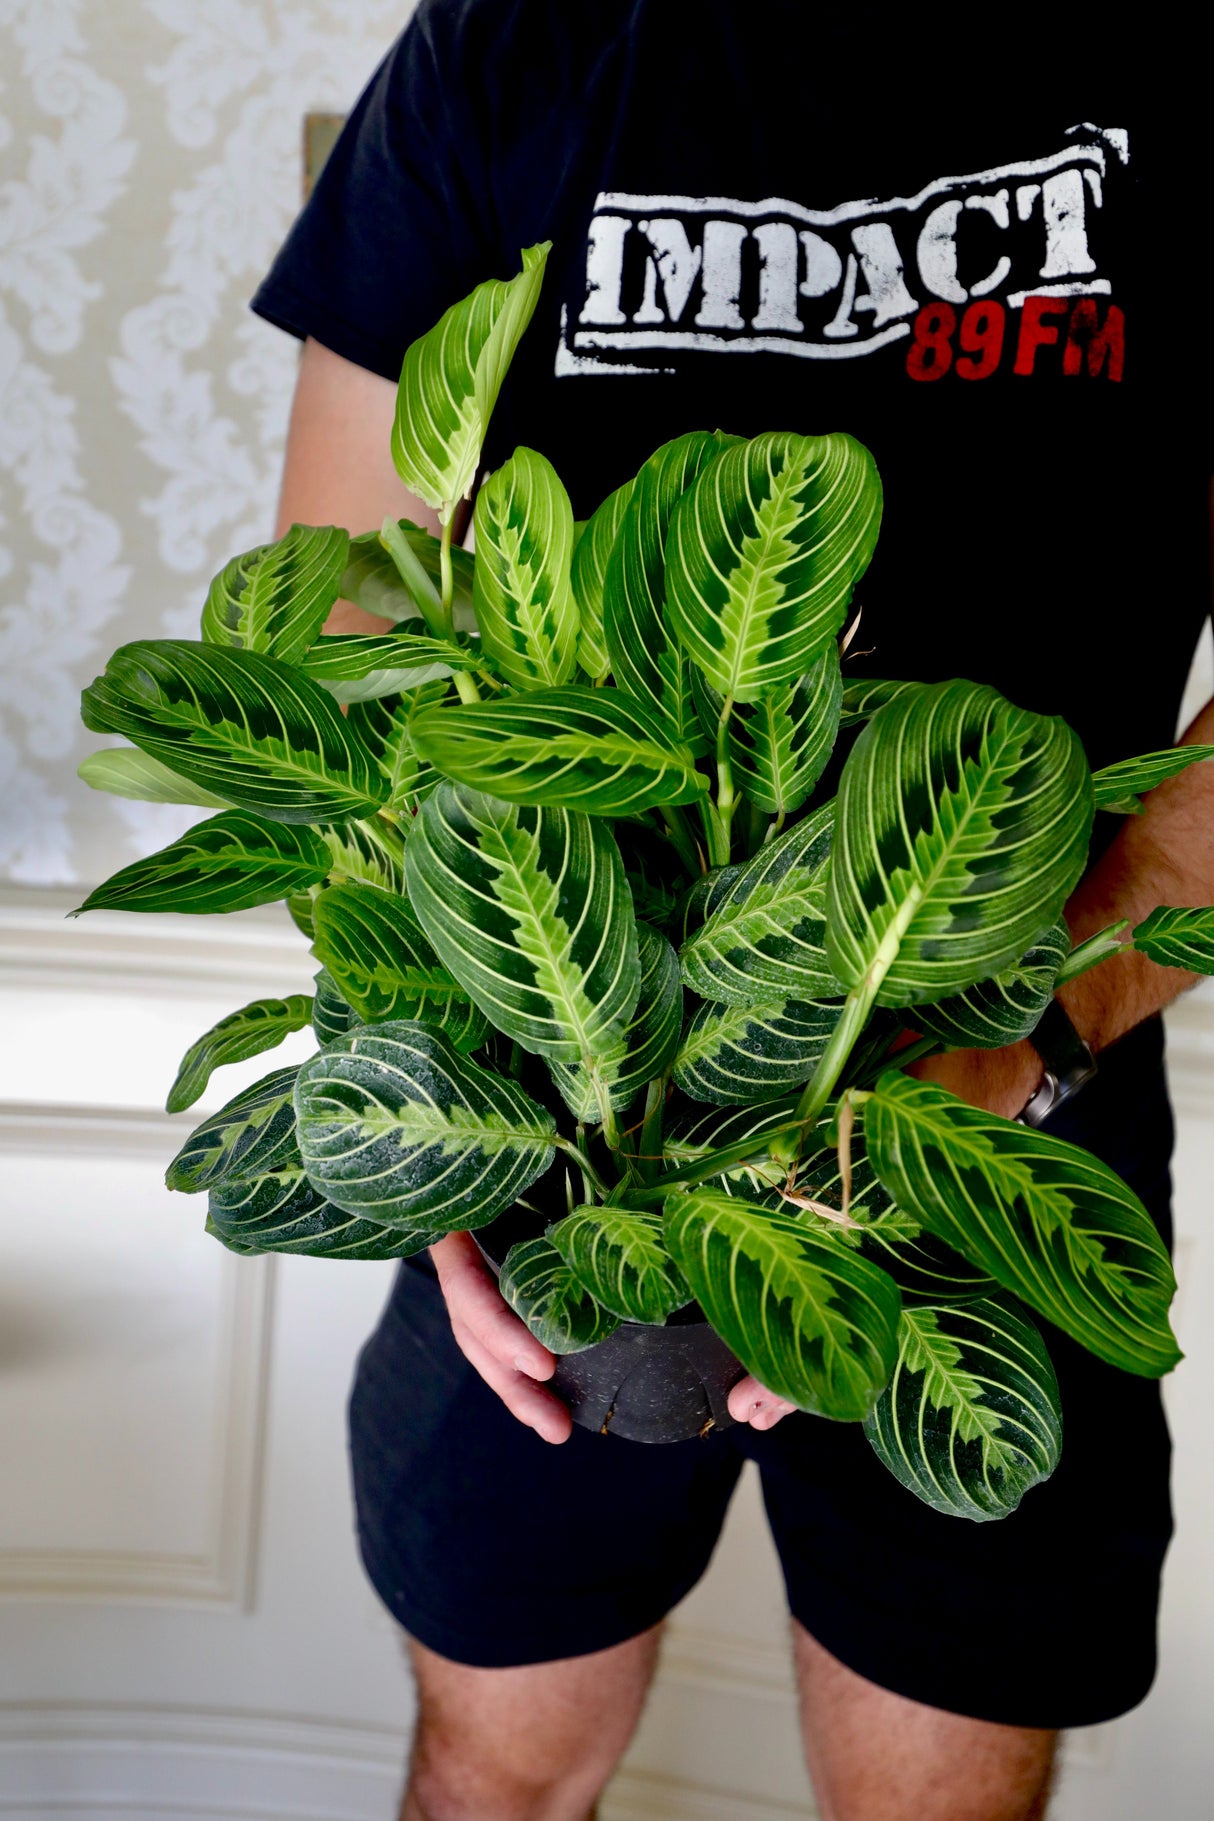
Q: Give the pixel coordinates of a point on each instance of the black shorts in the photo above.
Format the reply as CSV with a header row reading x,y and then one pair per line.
x,y
494,1548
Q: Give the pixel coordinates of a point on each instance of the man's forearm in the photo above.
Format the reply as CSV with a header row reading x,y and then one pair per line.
x,y
1165,856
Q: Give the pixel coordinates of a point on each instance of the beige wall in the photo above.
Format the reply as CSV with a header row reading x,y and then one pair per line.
x,y
149,166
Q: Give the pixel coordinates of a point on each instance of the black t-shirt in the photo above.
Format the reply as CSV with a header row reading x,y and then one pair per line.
x,y
980,247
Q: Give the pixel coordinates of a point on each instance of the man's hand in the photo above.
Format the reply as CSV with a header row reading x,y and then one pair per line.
x,y
493,1339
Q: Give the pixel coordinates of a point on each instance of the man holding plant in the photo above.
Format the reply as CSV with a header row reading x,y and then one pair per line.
x,y
994,339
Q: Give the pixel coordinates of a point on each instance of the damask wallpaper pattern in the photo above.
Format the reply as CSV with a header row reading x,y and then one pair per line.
x,y
149,166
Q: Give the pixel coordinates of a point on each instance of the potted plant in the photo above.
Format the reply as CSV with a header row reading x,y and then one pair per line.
x,y
592,950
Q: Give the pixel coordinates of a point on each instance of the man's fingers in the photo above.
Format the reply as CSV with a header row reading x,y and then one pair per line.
x,y
750,1402
474,1301
524,1399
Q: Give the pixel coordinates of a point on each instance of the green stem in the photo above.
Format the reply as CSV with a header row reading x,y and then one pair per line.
x,y
465,685
716,835
726,802
447,577
410,569
1091,953
744,1150
682,842
581,1145
583,1163
649,1150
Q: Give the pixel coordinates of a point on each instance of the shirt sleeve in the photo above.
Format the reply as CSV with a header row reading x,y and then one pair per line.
x,y
396,229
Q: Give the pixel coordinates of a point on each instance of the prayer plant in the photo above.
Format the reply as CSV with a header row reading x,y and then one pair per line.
x,y
568,814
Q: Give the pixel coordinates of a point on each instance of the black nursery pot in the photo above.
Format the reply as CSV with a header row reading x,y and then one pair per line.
x,y
644,1383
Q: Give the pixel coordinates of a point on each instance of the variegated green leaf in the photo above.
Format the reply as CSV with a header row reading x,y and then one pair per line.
x,y
862,696
815,1323
596,750
368,851
620,1255
259,1026
763,553
231,862
373,949
449,384
1118,787
276,598
1006,1007
524,546
279,1210
766,928
1049,1221
373,581
254,1132
385,728
778,745
651,1037
692,1136
530,910
590,558
646,658
332,1015
970,1421
556,1306
395,1125
1178,936
124,771
244,725
752,1052
354,668
961,828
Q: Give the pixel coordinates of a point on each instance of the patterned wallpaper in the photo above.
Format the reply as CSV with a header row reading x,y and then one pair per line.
x,y
149,166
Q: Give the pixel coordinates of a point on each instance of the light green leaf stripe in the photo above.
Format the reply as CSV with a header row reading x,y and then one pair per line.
x,y
449,384
970,1421
280,1211
1115,784
591,555
961,829
751,1052
646,658
544,1293
815,1323
620,1256
1178,936
778,744
767,928
374,583
255,731
262,1025
1005,1008
231,862
524,546
253,1133
1049,1221
594,750
763,553
385,728
276,598
366,852
124,771
651,1037
396,1126
353,668
530,910
382,965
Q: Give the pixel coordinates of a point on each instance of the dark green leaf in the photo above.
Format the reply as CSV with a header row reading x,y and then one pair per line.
x,y
595,750
524,546
544,1293
385,728
1118,786
372,947
779,744
815,1323
276,598
619,1254
232,862
354,668
252,729
961,829
280,1211
332,1016
1178,937
862,696
752,1052
1047,1220
262,1025
395,1125
590,558
970,1421
366,852
651,1036
1005,1008
253,1133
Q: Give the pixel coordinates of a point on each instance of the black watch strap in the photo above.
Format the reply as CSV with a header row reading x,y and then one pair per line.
x,y
1069,1064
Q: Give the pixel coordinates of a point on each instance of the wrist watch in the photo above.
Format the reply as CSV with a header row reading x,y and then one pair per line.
x,y
1069,1065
